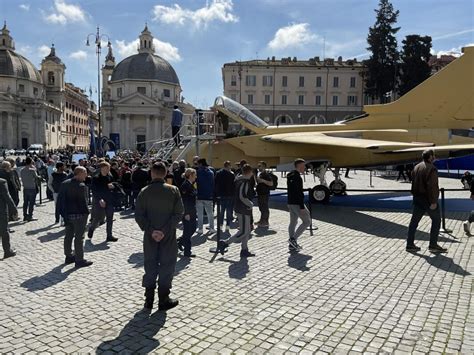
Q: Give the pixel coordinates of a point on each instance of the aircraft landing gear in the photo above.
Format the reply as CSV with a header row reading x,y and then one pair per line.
x,y
338,187
322,192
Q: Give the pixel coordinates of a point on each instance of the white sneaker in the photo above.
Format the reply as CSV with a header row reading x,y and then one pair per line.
x,y
467,227
200,231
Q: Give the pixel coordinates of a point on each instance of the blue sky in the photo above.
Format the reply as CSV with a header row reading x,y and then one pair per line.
x,y
198,36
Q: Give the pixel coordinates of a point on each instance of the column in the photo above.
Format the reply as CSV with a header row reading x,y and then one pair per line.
x,y
10,137
18,132
149,136
127,133
155,128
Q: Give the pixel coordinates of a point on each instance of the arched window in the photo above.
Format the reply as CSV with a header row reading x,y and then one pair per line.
x,y
50,78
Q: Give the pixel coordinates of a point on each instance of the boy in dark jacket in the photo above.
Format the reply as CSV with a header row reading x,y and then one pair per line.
x,y
225,191
243,208
296,205
102,201
188,194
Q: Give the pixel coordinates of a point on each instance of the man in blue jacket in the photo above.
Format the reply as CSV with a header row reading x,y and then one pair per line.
x,y
205,195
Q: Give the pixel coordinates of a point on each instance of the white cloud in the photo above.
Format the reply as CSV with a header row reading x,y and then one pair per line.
x,y
63,13
293,36
44,50
217,10
163,49
456,51
78,55
25,7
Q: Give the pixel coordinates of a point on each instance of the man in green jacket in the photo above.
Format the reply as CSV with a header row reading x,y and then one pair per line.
x,y
158,210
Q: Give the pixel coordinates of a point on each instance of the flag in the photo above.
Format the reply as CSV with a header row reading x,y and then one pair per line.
x,y
92,143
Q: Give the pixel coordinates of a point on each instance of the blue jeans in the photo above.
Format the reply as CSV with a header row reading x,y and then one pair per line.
x,y
29,197
206,205
227,207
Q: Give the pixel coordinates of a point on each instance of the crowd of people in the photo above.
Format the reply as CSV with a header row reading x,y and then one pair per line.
x,y
163,195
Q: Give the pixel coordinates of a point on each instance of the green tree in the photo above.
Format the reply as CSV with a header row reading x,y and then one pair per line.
x,y
414,67
381,74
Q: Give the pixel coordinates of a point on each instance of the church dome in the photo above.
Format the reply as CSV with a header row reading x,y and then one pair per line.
x,y
145,66
14,64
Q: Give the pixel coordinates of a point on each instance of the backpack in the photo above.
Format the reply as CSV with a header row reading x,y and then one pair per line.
x,y
275,181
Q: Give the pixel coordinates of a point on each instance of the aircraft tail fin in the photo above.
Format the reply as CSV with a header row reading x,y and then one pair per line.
x,y
444,100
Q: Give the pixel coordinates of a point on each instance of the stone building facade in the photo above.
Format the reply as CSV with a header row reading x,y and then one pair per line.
x,y
291,91
37,106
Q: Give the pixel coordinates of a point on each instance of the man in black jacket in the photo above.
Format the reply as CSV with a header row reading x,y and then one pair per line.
x,y
296,205
102,201
7,208
140,178
264,184
224,190
72,205
54,184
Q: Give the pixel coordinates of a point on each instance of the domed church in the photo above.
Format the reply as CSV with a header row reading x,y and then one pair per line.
x,y
30,104
138,97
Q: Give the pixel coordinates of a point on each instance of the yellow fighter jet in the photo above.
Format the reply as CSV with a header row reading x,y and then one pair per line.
x,y
437,114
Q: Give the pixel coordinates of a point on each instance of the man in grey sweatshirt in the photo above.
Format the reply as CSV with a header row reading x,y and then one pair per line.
x,y
30,180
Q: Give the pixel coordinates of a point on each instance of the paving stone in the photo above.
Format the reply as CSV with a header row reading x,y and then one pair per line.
x,y
353,288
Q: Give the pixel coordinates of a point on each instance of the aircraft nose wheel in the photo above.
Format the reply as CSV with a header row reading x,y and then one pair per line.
x,y
338,187
320,194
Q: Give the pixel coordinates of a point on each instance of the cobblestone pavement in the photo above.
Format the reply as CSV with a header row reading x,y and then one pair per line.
x,y
352,288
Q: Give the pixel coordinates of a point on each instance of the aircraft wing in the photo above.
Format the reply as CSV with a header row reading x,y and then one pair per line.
x,y
326,139
451,148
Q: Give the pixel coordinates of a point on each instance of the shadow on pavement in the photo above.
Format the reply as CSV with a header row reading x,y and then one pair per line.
x,y
362,222
51,236
89,247
238,269
39,230
137,337
49,279
181,264
299,261
444,263
262,232
136,259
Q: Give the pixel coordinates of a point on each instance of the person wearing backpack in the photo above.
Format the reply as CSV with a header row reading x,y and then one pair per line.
x,y
54,184
265,183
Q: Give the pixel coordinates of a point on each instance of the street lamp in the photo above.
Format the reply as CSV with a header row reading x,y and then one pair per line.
x,y
98,38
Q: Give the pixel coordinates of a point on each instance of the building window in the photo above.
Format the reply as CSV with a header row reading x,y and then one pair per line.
x,y
335,82
119,92
251,80
267,99
35,91
50,78
301,81
318,81
233,80
335,100
284,99
351,100
21,88
318,100
301,100
141,90
353,82
284,81
166,93
233,97
250,99
267,80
